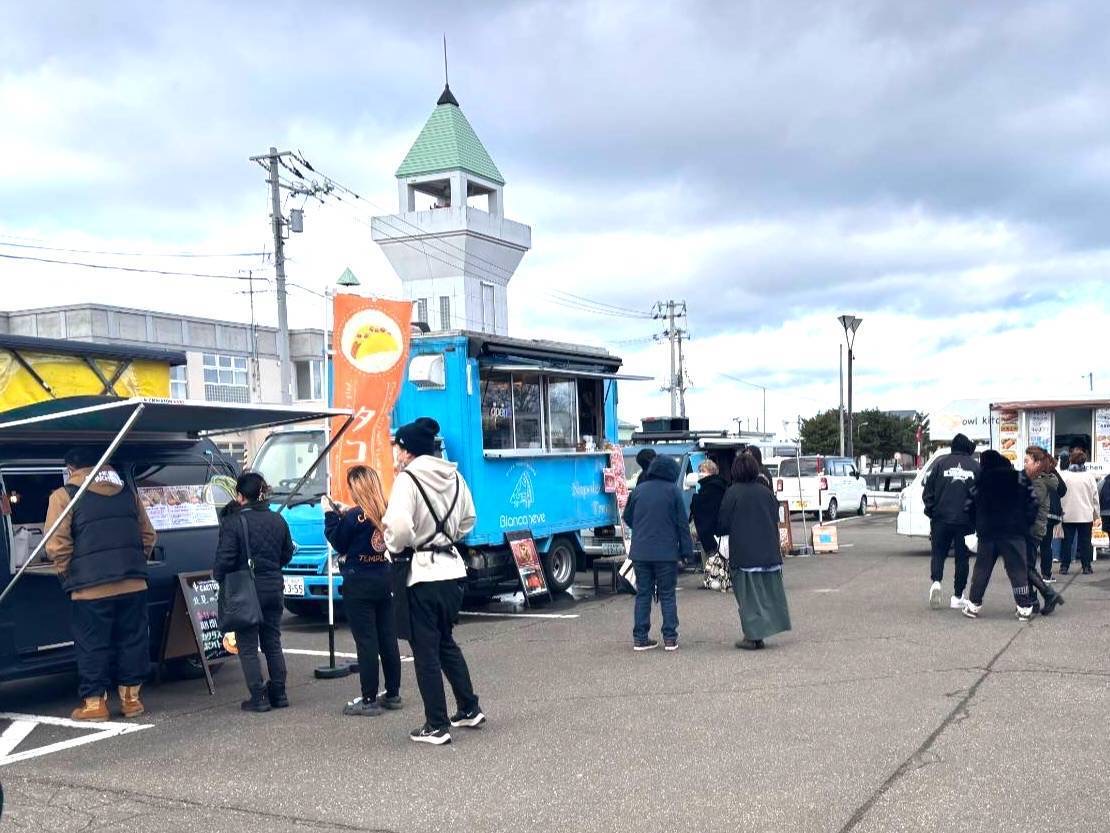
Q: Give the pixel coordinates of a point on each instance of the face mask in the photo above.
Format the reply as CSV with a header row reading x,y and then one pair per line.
x,y
398,464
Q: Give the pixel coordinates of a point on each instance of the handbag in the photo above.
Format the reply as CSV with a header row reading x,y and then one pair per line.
x,y
717,576
238,607
628,572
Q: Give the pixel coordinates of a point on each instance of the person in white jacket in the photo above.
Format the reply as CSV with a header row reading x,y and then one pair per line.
x,y
430,509
1081,510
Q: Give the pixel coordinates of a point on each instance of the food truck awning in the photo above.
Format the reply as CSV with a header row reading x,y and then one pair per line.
x,y
93,415
564,371
91,418
1090,401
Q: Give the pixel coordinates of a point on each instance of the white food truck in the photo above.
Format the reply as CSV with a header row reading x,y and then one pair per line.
x,y
1009,427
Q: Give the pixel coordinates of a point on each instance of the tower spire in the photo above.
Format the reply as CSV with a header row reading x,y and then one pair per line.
x,y
446,97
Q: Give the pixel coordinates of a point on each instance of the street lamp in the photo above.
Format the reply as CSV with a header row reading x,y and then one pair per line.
x,y
850,323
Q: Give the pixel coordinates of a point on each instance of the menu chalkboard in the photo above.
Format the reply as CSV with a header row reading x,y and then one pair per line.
x,y
193,627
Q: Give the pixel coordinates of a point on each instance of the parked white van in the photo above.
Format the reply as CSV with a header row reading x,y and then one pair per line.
x,y
830,484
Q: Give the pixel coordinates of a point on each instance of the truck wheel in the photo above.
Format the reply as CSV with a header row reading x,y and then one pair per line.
x,y
309,610
831,512
560,565
862,507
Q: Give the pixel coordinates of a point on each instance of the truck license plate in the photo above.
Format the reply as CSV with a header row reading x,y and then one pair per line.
x,y
294,586
613,549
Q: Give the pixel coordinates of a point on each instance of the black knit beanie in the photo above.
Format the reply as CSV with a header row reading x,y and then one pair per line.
x,y
418,437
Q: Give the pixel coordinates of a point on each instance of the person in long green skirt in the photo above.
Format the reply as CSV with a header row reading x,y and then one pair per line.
x,y
749,517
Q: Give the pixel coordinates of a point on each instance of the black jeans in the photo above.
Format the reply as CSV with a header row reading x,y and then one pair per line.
x,y
1046,549
433,610
369,606
1073,533
946,537
1012,552
269,635
112,640
1032,551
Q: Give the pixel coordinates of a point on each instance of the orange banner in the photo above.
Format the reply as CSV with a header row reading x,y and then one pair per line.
x,y
370,347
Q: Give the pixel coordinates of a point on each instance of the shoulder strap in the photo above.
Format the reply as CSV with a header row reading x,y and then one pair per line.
x,y
440,523
71,490
246,539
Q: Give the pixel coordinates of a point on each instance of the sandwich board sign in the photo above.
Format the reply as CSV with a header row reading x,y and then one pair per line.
x,y
193,628
528,564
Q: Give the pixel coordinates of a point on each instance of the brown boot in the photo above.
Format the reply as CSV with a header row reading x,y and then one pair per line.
x,y
95,709
130,704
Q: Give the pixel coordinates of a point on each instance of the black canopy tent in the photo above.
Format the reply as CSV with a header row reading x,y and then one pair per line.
x,y
103,420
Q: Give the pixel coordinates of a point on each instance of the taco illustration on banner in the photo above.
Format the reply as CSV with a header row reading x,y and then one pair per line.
x,y
371,341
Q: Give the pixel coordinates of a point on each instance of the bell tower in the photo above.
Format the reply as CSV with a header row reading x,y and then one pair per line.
x,y
450,242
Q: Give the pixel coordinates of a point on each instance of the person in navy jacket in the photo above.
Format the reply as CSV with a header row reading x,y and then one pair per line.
x,y
657,517
356,534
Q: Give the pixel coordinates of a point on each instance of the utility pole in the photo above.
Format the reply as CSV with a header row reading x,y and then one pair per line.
x,y
670,311
271,161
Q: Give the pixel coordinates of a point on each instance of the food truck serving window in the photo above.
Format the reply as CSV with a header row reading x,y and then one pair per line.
x,y
533,412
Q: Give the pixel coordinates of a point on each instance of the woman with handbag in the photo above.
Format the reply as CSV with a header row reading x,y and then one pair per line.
x,y
356,534
254,545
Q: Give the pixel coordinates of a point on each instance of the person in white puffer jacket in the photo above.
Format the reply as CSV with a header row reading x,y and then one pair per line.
x,y
430,510
1081,510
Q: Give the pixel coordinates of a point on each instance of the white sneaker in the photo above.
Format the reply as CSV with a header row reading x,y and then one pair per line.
x,y
935,593
957,603
971,611
1024,614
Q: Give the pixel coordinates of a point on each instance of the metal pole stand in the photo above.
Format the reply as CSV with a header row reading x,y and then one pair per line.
x,y
331,671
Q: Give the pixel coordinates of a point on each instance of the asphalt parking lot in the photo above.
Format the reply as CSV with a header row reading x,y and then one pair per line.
x,y
874,714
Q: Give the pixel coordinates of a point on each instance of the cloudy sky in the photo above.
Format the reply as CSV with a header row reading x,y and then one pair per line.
x,y
939,168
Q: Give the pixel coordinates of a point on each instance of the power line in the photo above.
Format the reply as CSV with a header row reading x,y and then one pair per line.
x,y
127,268
458,263
130,254
595,306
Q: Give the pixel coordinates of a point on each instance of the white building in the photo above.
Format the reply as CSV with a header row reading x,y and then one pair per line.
x,y
450,242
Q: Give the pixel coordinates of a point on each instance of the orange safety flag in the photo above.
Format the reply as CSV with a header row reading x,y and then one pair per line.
x,y
370,347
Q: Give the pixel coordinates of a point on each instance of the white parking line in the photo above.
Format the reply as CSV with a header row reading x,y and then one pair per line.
x,y
518,615
309,652
23,725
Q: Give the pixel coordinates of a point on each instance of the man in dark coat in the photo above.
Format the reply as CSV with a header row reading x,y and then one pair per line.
x,y
946,492
1002,508
250,530
656,514
705,505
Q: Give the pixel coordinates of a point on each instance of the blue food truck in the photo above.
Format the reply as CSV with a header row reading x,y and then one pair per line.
x,y
527,421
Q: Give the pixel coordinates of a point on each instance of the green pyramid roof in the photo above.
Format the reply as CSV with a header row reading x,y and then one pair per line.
x,y
447,143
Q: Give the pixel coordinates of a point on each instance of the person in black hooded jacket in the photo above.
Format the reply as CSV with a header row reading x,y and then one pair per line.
x,y
1003,508
946,492
705,505
656,514
270,548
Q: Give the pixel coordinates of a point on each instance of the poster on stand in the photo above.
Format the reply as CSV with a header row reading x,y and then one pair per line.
x,y
1102,436
1040,429
528,564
